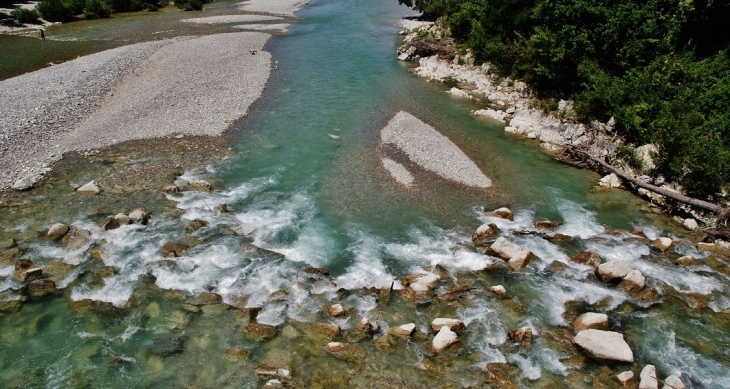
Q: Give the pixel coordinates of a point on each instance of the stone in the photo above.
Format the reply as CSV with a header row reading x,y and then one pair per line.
x,y
498,376
498,290
8,243
323,331
548,224
522,335
57,270
109,223
196,225
346,351
455,325
273,384
625,378
56,231
690,224
236,354
702,246
404,330
483,233
174,249
610,181
171,189
122,219
78,238
443,340
223,208
503,213
421,285
613,270
363,330
334,310
633,282
167,345
10,305
588,257
591,320
686,261
317,271
139,216
673,382
22,184
91,188
201,185
40,288
663,243
206,298
28,274
260,332
604,345
509,251
648,378
519,261
283,373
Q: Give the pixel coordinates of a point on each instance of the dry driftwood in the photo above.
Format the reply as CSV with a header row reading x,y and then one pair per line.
x,y
576,154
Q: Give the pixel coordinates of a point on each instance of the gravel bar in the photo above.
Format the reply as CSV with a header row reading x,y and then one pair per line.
x,y
274,7
432,151
222,19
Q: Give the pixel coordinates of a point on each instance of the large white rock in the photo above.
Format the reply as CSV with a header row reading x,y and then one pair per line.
x,y
484,232
505,249
422,285
662,243
56,231
648,378
22,184
604,345
613,270
591,320
498,290
673,382
453,324
690,224
91,188
404,330
444,339
610,181
625,378
633,282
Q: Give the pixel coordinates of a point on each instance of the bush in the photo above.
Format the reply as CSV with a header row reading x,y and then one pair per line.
x,y
189,5
96,9
54,11
24,15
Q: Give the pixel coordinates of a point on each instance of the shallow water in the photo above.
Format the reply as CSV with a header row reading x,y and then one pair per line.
x,y
305,188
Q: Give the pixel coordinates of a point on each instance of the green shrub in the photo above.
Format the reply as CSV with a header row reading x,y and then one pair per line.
x,y
24,15
54,11
152,7
189,5
628,155
96,9
76,7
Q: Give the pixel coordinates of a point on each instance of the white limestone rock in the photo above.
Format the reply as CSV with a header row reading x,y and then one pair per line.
x,y
404,330
498,290
633,282
22,184
610,181
625,378
90,188
56,231
648,378
591,320
673,382
613,270
604,345
444,339
453,324
690,224
663,243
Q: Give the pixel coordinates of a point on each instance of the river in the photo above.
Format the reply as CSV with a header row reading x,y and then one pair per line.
x,y
305,188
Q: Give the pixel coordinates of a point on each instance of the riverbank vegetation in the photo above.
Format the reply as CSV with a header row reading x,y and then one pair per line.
x,y
660,68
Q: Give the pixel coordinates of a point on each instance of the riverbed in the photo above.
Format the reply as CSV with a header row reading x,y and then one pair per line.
x,y
304,186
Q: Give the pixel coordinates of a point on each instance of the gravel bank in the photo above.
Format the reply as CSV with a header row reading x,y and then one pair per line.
x,y
275,7
432,151
222,19
190,86
277,27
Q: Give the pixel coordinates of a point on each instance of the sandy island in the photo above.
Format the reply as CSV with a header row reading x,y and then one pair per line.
x,y
181,86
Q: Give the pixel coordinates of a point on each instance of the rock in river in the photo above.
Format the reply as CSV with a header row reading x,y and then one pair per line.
x,y
604,345
591,320
443,340
57,231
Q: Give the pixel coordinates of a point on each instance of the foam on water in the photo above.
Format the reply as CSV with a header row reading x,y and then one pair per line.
x,y
613,248
578,220
367,268
530,369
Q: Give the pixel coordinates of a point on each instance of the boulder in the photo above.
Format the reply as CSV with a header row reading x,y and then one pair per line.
x,y
690,224
8,243
321,331
174,249
483,233
444,339
196,225
334,310
260,332
109,223
404,330
56,231
317,271
633,282
122,219
522,335
40,288
273,384
201,185
385,292
648,378
453,324
613,270
167,345
663,243
604,345
283,373
57,270
139,216
91,188
363,330
591,320
421,285
171,189
498,290
686,261
519,261
346,351
610,181
28,274
625,379
22,184
206,298
516,257
78,238
673,382
547,224
503,213
498,376
588,257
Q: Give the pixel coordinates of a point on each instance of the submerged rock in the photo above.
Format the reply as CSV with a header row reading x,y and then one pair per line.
x,y
260,332
273,384
443,340
266,372
321,331
167,345
91,188
591,320
78,238
40,288
648,378
196,225
498,376
604,345
174,249
498,290
206,298
363,330
57,231
346,351
334,310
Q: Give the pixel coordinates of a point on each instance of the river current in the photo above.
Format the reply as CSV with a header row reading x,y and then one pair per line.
x,y
305,188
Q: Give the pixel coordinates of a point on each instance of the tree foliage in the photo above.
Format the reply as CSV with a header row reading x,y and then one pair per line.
x,y
661,68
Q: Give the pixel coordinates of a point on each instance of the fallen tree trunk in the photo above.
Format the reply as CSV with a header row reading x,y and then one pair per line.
x,y
701,204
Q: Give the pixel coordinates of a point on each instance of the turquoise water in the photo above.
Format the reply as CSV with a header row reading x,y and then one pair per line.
x,y
305,188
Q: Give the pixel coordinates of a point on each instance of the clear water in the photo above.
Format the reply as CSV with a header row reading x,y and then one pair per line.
x,y
306,189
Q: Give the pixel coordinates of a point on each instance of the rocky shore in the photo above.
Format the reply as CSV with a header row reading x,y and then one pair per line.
x,y
513,104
